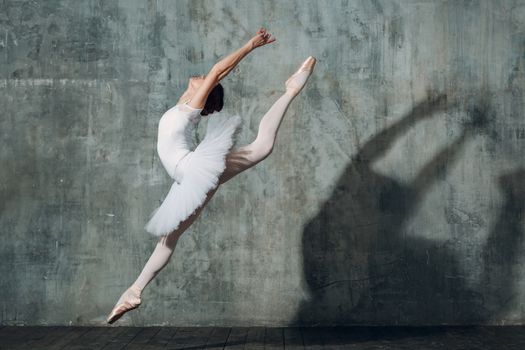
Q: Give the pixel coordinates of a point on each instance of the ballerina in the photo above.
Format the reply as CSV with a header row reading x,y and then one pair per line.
x,y
198,173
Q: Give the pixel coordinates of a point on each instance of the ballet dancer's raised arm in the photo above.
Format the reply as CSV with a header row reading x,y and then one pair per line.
x,y
224,66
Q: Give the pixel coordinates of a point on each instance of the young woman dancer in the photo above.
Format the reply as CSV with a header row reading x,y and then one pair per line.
x,y
198,173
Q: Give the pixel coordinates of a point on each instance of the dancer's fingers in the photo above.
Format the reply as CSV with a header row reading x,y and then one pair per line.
x,y
263,37
270,39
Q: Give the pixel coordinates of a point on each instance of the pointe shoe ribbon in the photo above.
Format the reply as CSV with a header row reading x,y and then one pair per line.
x,y
307,66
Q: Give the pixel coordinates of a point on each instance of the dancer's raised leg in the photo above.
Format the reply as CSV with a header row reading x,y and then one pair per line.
x,y
247,156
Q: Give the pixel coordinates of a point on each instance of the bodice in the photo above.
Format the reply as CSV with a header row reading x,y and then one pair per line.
x,y
175,136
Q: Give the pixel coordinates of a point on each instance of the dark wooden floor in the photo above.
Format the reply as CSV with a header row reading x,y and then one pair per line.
x,y
87,338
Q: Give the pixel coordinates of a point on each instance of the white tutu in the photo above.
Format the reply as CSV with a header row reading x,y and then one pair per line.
x,y
200,170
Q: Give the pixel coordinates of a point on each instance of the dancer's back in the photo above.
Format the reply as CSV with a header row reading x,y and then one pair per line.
x,y
175,135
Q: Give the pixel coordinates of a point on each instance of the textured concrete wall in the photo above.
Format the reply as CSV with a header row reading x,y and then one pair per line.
x,y
384,202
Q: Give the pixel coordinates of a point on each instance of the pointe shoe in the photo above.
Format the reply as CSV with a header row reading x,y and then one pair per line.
x,y
127,302
297,81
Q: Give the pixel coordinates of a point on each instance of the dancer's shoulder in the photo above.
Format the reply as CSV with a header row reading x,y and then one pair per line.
x,y
184,107
194,114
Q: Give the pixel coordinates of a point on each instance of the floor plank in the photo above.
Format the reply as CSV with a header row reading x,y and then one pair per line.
x,y
293,339
51,333
142,338
237,338
65,335
161,339
255,338
312,337
22,336
274,338
331,339
218,338
124,338
94,338
190,338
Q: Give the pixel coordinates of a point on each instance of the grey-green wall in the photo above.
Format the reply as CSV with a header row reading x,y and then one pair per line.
x,y
383,202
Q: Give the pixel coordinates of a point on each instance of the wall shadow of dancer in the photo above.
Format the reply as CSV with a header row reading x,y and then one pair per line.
x,y
502,251
361,268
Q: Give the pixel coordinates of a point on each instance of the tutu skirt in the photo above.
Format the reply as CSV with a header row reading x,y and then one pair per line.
x,y
199,173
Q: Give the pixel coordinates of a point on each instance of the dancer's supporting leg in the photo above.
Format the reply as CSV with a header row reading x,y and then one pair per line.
x,y
130,299
237,161
164,248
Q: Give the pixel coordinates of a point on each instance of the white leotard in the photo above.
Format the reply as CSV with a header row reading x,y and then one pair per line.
x,y
195,171
175,136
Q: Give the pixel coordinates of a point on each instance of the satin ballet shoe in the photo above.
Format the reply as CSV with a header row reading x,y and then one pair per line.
x,y
297,81
127,302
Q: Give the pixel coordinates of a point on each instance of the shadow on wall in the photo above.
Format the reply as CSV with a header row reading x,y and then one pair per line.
x,y
360,267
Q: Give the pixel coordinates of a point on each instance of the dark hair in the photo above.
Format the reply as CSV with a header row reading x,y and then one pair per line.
x,y
215,100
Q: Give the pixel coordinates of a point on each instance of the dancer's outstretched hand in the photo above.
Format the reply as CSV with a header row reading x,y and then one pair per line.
x,y
261,38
